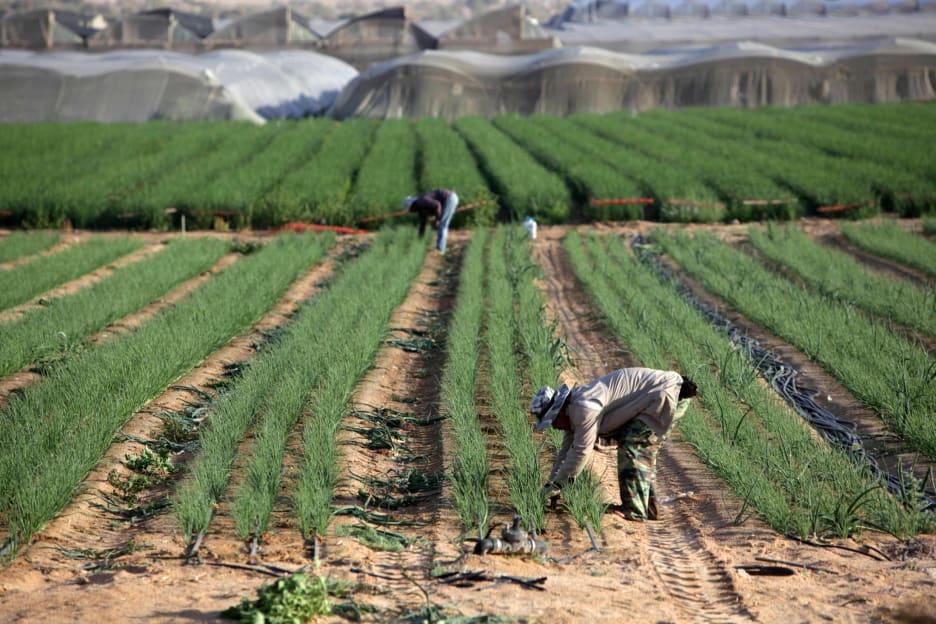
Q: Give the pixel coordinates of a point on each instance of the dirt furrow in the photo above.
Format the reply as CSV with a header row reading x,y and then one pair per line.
x,y
911,334
879,263
393,448
697,581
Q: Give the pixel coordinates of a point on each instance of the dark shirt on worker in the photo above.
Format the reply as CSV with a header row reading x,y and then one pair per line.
x,y
429,205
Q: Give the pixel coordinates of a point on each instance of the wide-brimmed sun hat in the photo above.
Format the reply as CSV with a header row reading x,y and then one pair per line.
x,y
547,403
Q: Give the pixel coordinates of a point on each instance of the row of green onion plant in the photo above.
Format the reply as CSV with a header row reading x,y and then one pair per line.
x,y
679,193
523,185
23,282
446,162
589,178
57,429
388,172
840,275
766,453
94,167
339,327
885,369
888,240
896,168
790,165
240,193
62,323
890,187
112,193
348,345
469,468
319,190
270,397
543,351
506,386
748,194
22,244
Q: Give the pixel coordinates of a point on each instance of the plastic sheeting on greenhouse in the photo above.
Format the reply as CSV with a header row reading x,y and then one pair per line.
x,y
586,11
376,37
43,29
280,84
639,35
140,85
278,27
584,79
162,27
503,31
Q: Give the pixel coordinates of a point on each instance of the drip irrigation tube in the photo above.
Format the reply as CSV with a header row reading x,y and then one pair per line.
x,y
782,378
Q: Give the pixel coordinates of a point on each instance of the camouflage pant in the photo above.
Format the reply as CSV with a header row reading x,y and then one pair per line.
x,y
637,452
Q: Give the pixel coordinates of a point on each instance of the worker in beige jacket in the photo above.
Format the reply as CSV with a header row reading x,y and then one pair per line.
x,y
632,408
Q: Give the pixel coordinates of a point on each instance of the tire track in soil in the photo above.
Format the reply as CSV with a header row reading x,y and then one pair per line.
x,y
84,525
407,381
698,583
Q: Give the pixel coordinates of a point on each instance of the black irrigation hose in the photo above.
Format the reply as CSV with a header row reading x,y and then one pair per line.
x,y
782,378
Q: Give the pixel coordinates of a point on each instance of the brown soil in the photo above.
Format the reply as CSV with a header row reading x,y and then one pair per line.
x,y
684,567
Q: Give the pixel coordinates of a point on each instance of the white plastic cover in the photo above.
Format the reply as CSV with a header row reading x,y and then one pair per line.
x,y
585,11
138,85
276,27
585,79
279,84
647,34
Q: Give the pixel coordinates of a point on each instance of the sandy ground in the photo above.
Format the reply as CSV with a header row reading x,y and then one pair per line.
x,y
697,564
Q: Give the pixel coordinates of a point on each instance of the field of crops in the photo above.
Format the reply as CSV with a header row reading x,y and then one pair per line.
x,y
693,165
188,415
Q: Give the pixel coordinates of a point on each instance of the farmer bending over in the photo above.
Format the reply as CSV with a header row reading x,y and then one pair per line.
x,y
439,204
634,408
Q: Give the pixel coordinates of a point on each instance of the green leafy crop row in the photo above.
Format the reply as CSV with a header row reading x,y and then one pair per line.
x,y
885,369
696,164
56,430
796,482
